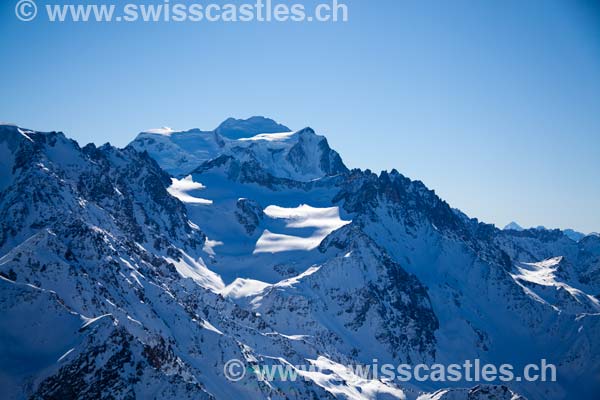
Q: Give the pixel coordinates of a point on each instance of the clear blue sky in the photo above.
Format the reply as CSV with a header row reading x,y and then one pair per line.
x,y
494,104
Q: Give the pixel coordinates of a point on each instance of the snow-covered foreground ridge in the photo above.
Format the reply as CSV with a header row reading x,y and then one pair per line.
x,y
141,272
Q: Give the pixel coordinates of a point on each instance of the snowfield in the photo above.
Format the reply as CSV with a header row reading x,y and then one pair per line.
x,y
319,221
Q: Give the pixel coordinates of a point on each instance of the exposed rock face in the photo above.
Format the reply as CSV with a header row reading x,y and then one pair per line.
x,y
249,214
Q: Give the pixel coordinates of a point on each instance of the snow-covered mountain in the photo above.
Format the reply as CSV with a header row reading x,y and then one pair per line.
x,y
139,272
258,141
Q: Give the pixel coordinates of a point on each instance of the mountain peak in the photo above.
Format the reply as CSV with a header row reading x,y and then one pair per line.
x,y
233,128
301,155
306,131
513,226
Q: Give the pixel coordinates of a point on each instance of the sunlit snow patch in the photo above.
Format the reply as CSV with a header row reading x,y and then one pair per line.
x,y
207,325
209,246
165,130
269,137
187,267
329,374
88,321
290,282
180,187
65,355
242,287
323,220
541,273
539,280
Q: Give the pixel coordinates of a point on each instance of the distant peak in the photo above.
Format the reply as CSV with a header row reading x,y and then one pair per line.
x,y
573,234
513,226
245,128
307,131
